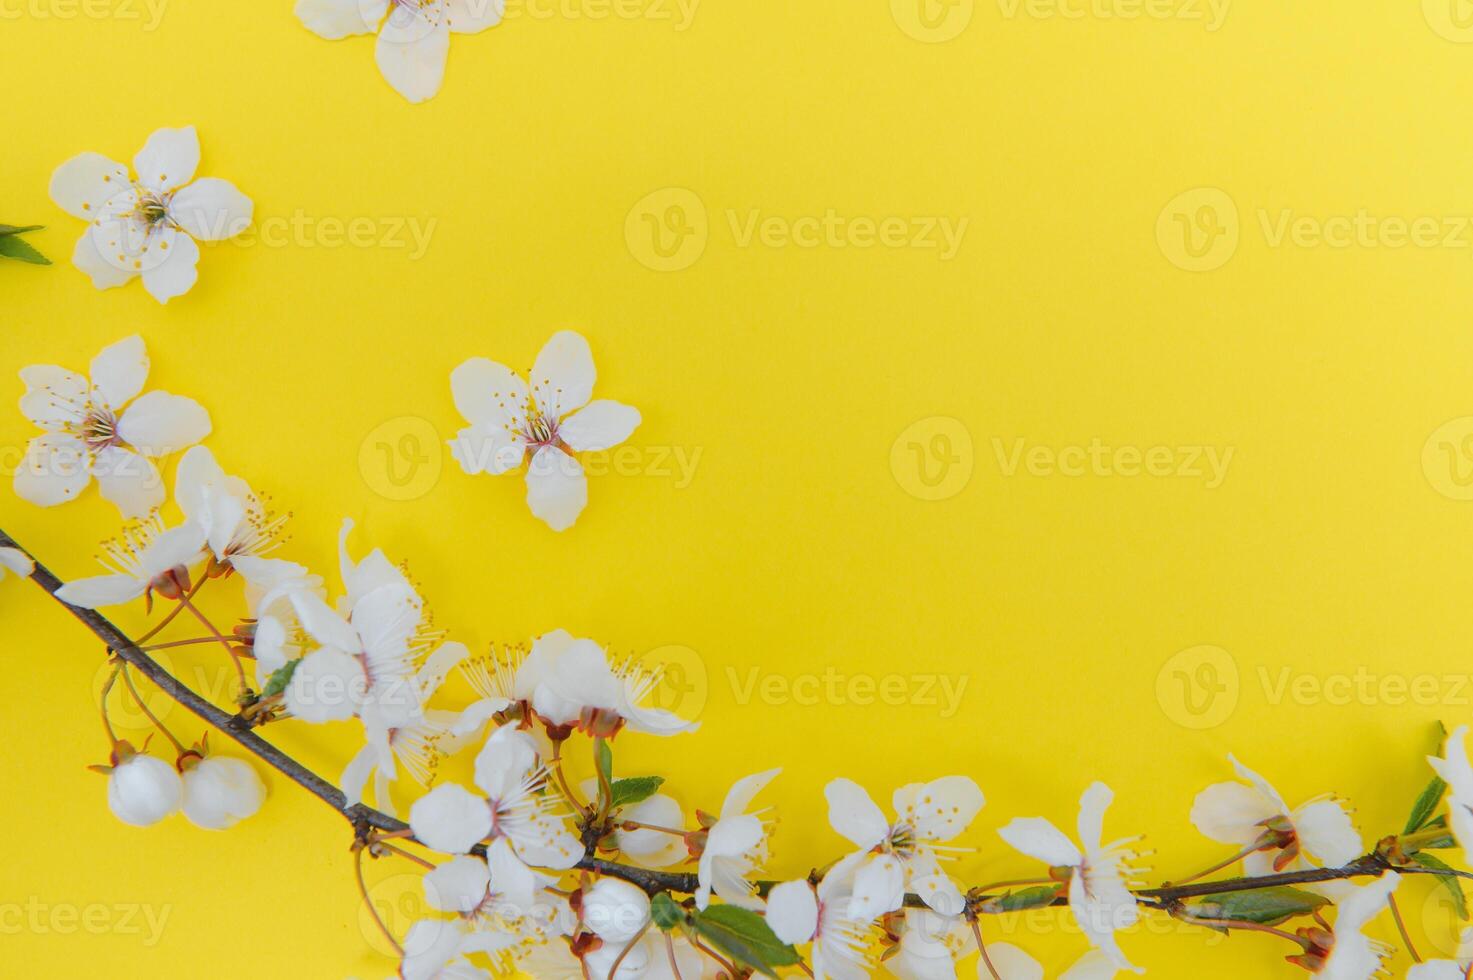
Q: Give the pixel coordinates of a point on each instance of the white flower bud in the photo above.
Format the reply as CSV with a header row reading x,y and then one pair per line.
x,y
219,791
142,790
615,910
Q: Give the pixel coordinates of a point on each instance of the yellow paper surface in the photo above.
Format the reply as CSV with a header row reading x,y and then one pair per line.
x,y
872,464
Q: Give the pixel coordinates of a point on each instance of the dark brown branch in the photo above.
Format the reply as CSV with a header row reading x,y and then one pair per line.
x,y
364,818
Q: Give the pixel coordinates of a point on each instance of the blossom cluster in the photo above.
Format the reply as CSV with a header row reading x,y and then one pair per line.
x,y
610,877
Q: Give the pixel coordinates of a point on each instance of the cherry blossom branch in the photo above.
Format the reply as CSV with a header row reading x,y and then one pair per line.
x,y
365,819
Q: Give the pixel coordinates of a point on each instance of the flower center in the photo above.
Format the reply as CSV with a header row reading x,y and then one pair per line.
x,y
540,430
153,207
99,428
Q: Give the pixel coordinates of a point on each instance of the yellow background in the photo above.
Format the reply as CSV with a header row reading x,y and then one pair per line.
x,y
793,371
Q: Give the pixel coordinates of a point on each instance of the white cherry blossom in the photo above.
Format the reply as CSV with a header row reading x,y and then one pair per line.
x,y
571,683
514,807
615,910
1099,896
148,223
100,427
143,559
551,419
903,852
735,847
799,913
1316,834
436,949
413,35
142,789
930,944
219,791
237,525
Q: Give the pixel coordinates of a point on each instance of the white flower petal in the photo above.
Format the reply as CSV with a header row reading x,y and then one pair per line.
x,y
104,590
1092,807
939,892
792,911
739,797
335,19
1010,962
854,815
563,375
458,886
119,371
104,274
879,887
16,561
85,182
487,392
1042,841
1326,832
1093,965
940,809
211,210
326,686
1099,916
356,773
159,423
128,480
487,448
600,425
169,158
557,490
449,818
1230,813
182,545
55,469
615,910
411,52
55,398
176,274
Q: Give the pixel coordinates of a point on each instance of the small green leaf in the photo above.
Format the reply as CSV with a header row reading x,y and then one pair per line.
x,y
17,248
665,912
1426,805
745,937
1037,897
1263,906
603,757
279,679
636,789
1449,881
19,229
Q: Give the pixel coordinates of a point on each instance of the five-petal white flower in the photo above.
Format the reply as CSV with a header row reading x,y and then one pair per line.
x,y
90,433
142,559
148,225
1098,895
736,845
1319,833
903,853
509,419
413,39
237,527
570,682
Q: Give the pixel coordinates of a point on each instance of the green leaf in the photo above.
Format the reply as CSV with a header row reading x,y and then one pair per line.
x,y
19,229
1426,805
1037,897
1263,906
745,937
636,789
665,912
1450,882
17,248
279,679
603,757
